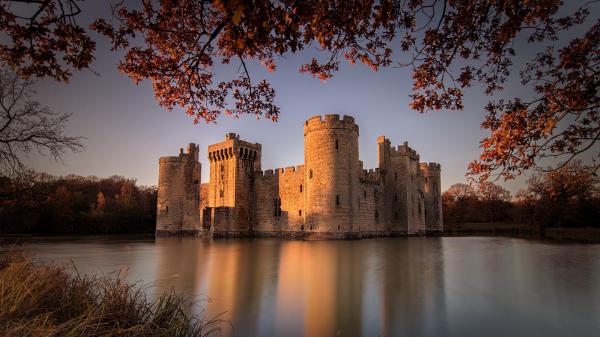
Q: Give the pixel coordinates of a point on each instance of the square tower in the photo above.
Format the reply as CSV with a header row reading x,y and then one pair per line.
x,y
233,163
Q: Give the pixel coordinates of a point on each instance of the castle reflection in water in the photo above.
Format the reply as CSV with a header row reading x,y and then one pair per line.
x,y
419,286
310,288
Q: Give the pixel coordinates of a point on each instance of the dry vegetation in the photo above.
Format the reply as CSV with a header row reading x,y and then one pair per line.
x,y
52,300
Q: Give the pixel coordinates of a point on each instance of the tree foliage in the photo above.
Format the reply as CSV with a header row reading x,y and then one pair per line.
x,y
566,197
449,45
37,203
486,203
43,38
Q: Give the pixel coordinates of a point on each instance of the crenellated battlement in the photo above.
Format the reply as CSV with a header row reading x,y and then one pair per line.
x,y
178,185
332,121
299,169
430,166
232,147
330,195
371,176
404,150
191,154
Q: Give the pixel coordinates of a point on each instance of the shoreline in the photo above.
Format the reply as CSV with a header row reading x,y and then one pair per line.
x,y
576,235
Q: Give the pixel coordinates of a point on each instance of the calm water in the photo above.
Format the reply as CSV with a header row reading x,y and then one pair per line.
x,y
380,287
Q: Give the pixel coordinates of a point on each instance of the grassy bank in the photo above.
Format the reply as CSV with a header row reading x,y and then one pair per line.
x,y
52,300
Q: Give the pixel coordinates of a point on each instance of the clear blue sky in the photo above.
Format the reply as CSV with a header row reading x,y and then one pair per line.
x,y
127,131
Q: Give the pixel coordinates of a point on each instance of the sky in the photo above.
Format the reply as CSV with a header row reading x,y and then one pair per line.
x,y
126,131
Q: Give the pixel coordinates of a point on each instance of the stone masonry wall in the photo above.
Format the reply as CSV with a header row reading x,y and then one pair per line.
x,y
433,197
280,200
330,196
178,193
331,169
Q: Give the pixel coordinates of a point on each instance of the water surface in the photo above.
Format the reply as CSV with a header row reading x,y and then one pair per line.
x,y
455,286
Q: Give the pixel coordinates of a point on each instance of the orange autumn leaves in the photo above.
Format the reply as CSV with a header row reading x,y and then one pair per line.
x,y
184,42
196,55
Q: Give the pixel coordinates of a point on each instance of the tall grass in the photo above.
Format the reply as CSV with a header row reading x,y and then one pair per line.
x,y
53,300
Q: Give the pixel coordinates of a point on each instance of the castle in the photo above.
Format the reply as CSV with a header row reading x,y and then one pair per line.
x,y
330,196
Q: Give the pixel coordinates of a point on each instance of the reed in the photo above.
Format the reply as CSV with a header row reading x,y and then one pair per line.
x,y
54,300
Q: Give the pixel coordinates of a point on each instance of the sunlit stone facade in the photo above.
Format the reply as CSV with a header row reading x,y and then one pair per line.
x,y
330,196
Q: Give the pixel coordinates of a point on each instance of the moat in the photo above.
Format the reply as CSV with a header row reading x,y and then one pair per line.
x,y
469,286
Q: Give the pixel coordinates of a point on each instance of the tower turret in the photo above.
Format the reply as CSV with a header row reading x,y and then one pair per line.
x,y
233,163
178,193
433,198
331,173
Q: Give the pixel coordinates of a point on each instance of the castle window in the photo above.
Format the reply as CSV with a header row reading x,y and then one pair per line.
x,y
425,180
419,208
309,174
221,193
196,182
376,215
396,215
300,188
300,213
222,168
396,176
302,227
276,207
167,209
395,197
337,144
338,228
337,200
365,194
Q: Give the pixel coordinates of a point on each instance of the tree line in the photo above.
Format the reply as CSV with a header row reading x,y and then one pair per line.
x,y
38,203
566,197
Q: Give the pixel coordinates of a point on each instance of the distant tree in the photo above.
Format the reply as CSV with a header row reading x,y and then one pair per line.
x,y
449,45
26,125
460,191
60,207
494,201
100,202
567,196
457,203
37,203
571,181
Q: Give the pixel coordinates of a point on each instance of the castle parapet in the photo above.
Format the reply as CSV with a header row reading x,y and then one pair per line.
x,y
192,154
234,147
371,176
430,166
332,121
405,150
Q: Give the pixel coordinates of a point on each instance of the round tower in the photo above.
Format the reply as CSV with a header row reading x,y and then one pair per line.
x,y
177,207
432,186
171,192
331,173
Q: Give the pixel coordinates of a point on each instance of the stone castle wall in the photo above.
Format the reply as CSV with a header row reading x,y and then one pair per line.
x,y
432,186
178,196
330,196
280,203
332,167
